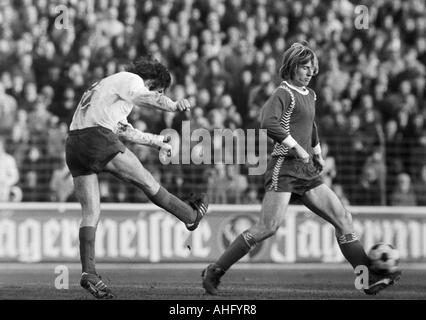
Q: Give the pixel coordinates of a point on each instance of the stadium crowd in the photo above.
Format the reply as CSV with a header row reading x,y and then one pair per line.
x,y
224,56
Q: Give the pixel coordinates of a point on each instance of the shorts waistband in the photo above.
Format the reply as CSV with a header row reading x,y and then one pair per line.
x,y
88,129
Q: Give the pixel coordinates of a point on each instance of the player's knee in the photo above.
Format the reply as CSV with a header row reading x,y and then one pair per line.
x,y
91,214
90,218
345,222
265,231
149,187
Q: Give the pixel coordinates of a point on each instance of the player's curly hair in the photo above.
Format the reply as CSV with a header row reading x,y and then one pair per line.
x,y
149,68
298,54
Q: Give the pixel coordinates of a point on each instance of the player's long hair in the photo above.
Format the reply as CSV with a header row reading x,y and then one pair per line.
x,y
149,68
298,54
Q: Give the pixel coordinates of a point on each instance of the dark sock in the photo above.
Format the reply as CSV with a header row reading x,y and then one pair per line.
x,y
353,250
238,249
181,210
87,249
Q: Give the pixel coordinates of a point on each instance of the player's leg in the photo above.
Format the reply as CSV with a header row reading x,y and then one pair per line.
x,y
87,193
127,167
273,209
325,203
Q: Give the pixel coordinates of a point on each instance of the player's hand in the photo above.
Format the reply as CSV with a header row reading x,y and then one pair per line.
x,y
319,162
164,148
165,152
160,140
183,105
301,153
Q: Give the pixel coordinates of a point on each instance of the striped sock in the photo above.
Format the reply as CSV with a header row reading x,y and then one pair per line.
x,y
238,249
181,210
353,250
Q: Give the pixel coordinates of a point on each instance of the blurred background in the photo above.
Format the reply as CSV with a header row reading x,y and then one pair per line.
x,y
224,57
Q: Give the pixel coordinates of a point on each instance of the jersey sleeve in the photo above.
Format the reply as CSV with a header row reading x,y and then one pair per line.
x,y
271,115
133,90
131,87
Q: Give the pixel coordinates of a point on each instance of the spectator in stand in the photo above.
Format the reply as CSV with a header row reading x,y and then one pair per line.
x,y
415,137
241,90
403,194
376,162
215,72
367,191
35,176
9,174
237,184
260,93
61,183
350,155
39,119
420,186
217,184
8,110
240,39
338,190
251,196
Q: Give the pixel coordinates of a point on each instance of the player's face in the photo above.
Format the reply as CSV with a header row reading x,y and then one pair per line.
x,y
150,85
303,74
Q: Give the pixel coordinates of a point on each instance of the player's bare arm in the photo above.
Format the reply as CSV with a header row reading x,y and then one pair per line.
x,y
128,133
157,100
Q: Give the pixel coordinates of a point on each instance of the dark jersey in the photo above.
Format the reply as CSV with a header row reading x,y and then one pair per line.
x,y
290,111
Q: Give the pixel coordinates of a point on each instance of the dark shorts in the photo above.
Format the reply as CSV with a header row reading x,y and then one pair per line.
x,y
89,150
291,175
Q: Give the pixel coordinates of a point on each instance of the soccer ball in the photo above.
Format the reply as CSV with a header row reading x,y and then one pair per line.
x,y
384,258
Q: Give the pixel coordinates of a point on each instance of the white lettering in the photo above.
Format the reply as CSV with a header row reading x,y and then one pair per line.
x,y
181,236
285,239
51,233
7,238
308,239
143,242
29,233
154,236
127,235
199,237
69,238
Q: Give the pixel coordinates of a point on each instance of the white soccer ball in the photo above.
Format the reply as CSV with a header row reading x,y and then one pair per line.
x,y
384,258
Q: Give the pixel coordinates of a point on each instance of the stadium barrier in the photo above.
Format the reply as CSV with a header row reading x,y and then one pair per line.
x,y
48,232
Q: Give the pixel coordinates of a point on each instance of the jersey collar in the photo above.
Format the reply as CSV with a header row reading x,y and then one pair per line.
x,y
304,91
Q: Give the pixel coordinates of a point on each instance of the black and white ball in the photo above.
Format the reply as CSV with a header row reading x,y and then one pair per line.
x,y
384,258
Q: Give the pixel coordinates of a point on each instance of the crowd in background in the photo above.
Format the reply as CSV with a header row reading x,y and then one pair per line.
x,y
224,57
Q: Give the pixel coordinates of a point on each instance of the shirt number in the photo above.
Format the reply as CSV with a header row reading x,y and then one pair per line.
x,y
87,97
